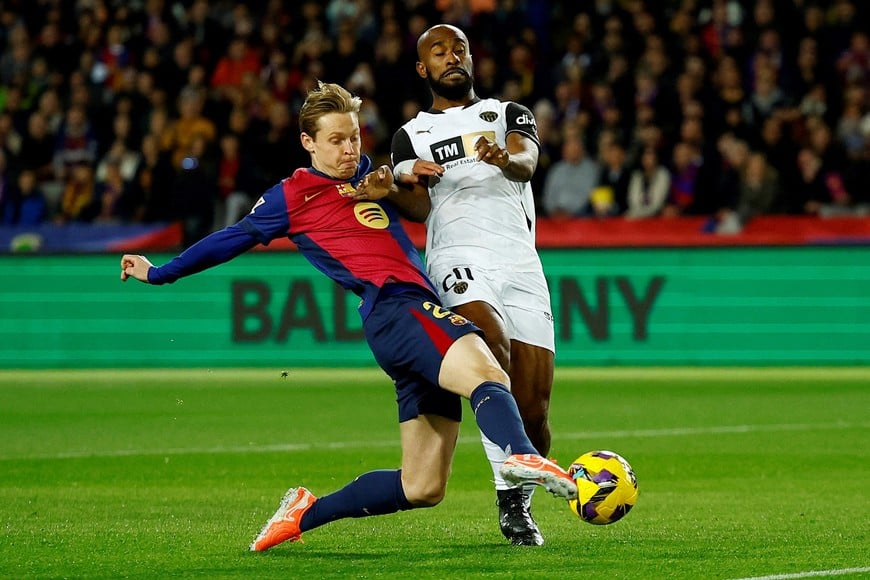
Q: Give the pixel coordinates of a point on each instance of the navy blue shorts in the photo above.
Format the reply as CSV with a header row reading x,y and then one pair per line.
x,y
409,333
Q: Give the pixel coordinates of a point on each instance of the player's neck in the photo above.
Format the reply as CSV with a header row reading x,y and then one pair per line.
x,y
440,103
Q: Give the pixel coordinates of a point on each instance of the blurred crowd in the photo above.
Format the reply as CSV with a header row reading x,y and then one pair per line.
x,y
137,111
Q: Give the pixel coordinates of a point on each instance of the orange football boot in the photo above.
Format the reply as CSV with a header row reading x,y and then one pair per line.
x,y
529,468
284,525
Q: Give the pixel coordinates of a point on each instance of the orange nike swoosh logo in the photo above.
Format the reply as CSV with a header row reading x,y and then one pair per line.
x,y
312,196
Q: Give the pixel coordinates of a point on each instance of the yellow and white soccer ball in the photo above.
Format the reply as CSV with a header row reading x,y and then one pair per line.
x,y
606,487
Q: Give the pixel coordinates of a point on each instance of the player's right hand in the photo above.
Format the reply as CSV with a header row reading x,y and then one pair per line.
x,y
375,185
135,266
407,172
489,152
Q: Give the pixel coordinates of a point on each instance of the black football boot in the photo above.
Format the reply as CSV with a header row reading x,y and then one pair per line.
x,y
514,519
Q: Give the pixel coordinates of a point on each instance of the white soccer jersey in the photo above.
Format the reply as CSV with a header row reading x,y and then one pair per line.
x,y
478,215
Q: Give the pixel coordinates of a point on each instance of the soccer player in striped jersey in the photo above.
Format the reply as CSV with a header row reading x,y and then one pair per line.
x,y
474,159
336,213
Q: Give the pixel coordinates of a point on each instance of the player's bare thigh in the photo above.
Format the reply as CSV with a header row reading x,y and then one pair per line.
x,y
533,367
428,443
532,380
467,364
487,318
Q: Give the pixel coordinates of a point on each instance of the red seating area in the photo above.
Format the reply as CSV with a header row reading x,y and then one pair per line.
x,y
619,232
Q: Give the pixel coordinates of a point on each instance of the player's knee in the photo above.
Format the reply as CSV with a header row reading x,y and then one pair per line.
x,y
421,494
467,364
535,420
495,374
495,369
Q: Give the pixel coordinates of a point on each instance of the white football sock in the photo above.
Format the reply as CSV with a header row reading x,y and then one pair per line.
x,y
497,457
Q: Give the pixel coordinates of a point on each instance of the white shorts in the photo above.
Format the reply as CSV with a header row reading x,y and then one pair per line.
x,y
522,299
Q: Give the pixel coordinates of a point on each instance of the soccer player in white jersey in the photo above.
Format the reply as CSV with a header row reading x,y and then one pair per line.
x,y
465,165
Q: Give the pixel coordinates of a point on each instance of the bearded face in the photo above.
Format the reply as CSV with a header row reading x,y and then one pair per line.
x,y
452,85
445,62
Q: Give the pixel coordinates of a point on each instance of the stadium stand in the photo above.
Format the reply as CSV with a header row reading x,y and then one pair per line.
x,y
116,112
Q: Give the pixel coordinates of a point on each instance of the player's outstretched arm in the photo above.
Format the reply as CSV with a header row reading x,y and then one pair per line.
x,y
412,199
216,248
411,195
134,266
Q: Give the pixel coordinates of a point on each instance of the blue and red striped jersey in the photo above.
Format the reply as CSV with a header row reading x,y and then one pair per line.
x,y
359,244
362,245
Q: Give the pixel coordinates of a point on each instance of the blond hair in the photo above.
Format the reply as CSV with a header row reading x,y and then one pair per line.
x,y
326,98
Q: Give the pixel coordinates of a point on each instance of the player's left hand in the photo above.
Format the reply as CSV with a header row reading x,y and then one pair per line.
x,y
489,152
375,185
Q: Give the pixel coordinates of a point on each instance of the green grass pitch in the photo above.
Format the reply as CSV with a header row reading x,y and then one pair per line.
x,y
145,474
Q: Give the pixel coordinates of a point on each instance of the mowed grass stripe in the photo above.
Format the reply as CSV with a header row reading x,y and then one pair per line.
x,y
307,376
363,445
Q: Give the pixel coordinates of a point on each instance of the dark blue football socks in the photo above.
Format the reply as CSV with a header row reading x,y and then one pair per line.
x,y
371,494
499,418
